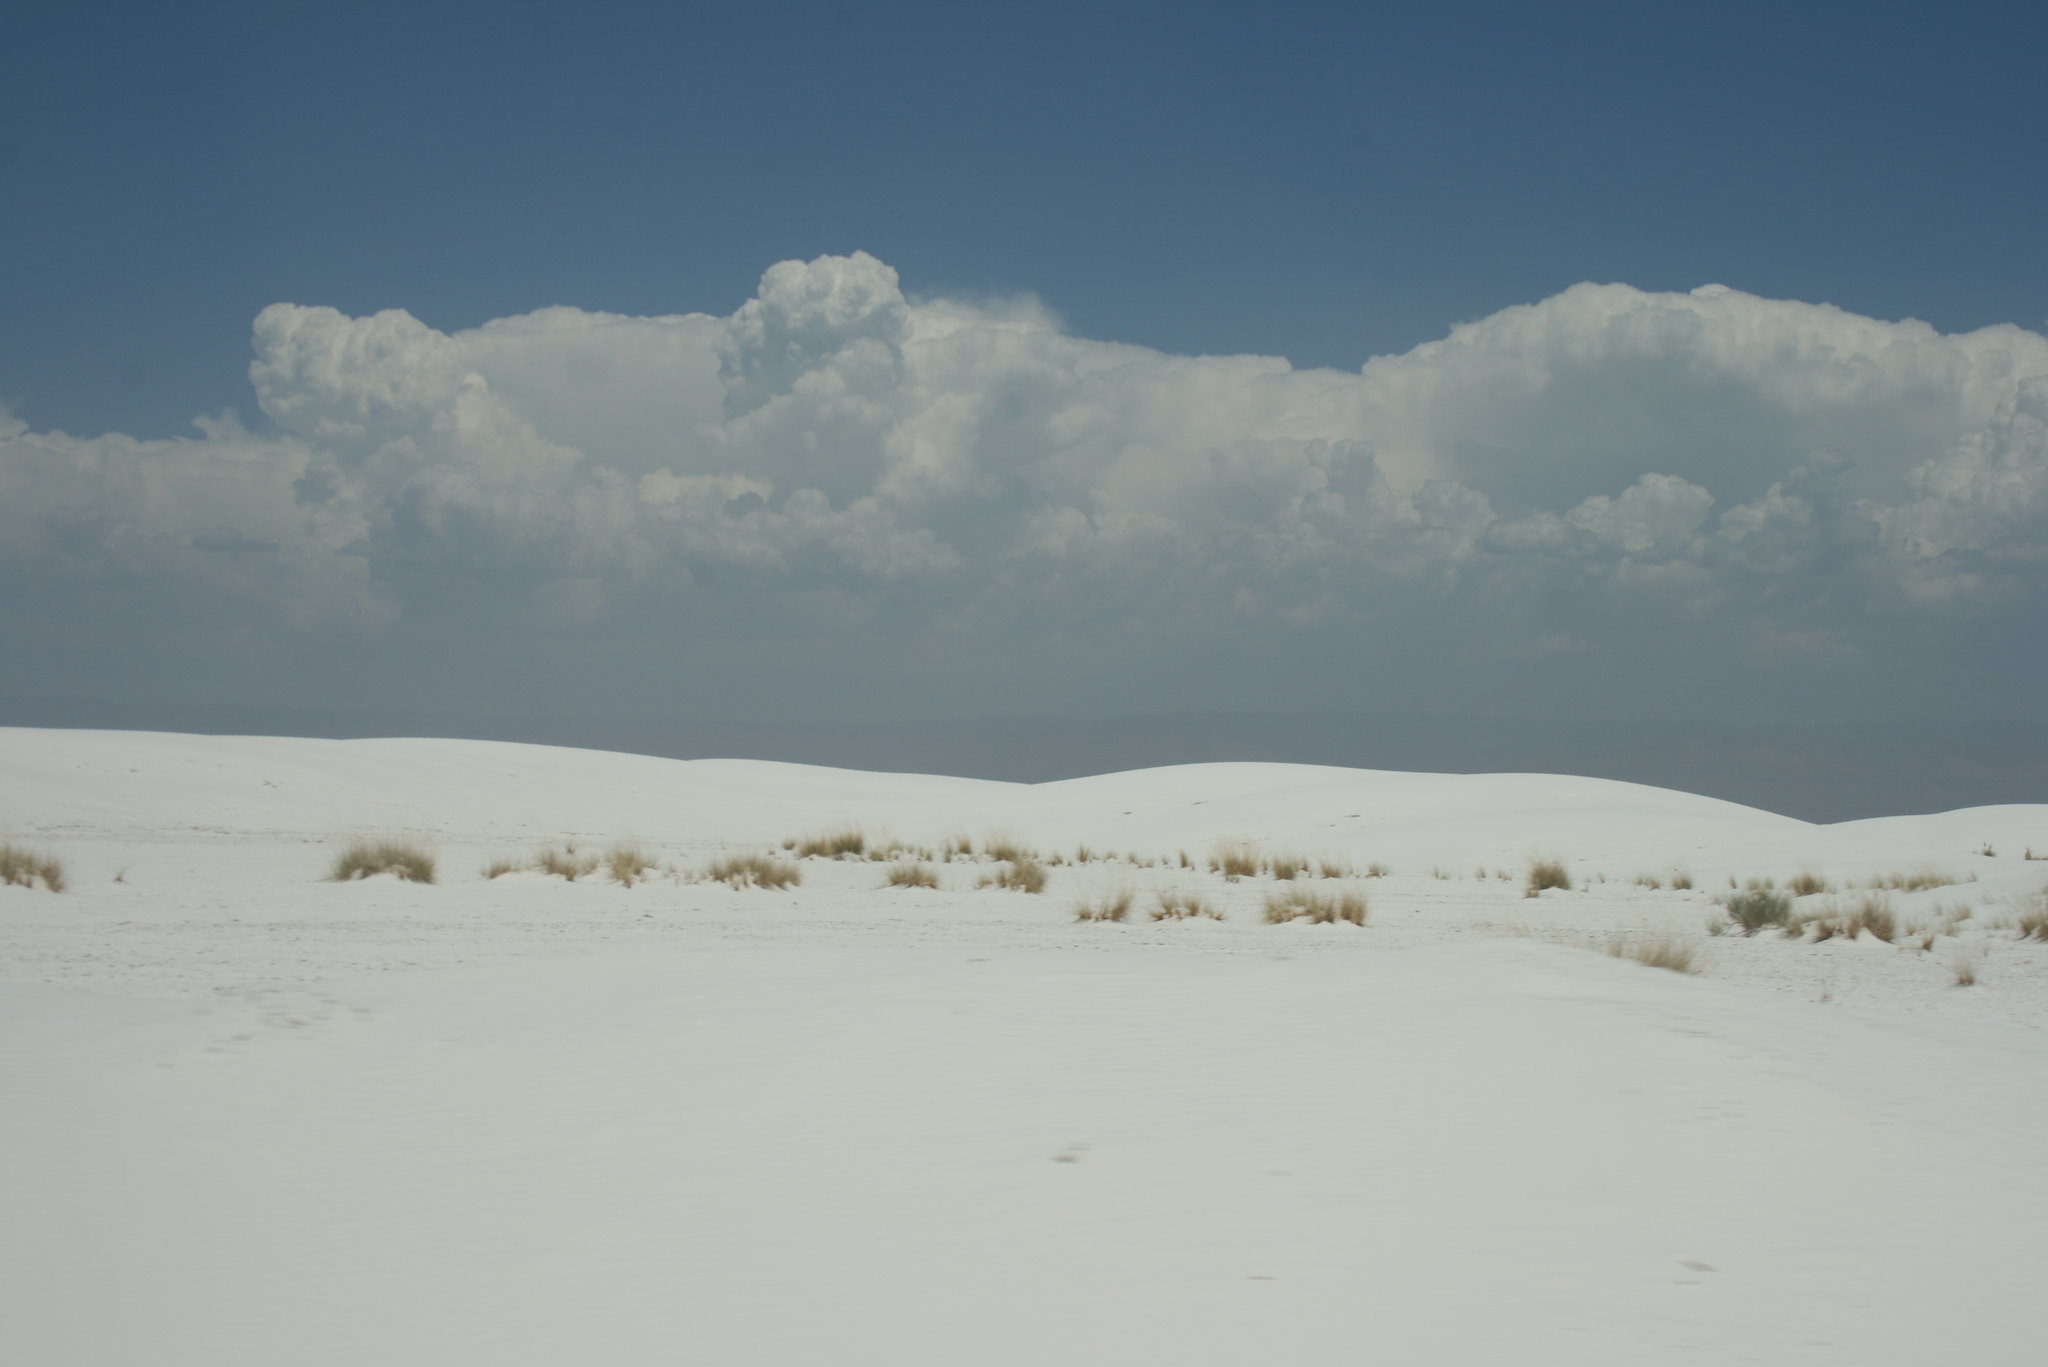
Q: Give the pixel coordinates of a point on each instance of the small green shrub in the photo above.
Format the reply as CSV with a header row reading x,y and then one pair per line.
x,y
755,871
1757,909
24,869
402,858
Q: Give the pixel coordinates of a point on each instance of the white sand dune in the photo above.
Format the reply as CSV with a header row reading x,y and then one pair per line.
x,y
252,1117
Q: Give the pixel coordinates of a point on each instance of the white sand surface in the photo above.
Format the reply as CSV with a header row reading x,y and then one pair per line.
x,y
249,1116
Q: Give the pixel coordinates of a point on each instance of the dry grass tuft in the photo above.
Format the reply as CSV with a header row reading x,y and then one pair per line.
x,y
1667,951
1286,866
395,855
1681,880
909,874
1545,874
1335,868
24,869
755,871
564,863
1758,909
1377,870
1234,859
1113,907
628,863
501,866
1023,874
1649,880
1006,849
2032,921
838,843
1872,914
1964,964
1317,906
1175,904
1807,883
1914,880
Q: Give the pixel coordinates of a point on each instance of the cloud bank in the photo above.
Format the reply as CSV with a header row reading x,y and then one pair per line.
x,y
1609,487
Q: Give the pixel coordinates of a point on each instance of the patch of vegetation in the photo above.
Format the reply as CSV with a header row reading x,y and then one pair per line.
x,y
755,871
1023,874
24,869
841,842
1672,952
395,855
1006,849
1758,909
1234,859
1914,880
1286,866
1545,874
566,862
1806,883
1317,906
1377,870
1177,904
628,863
910,874
1114,906
1681,880
1872,915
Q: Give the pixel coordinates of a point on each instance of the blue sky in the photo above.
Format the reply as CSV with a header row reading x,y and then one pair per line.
x,y
1321,181
885,360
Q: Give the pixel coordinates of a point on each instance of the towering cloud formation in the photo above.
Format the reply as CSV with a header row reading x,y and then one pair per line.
x,y
834,459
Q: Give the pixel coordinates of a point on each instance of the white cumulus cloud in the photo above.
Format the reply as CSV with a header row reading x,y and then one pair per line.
x,y
837,457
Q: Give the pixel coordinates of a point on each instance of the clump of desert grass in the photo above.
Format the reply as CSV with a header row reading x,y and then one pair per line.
x,y
1914,880
1871,914
1755,909
628,864
1179,904
567,862
841,842
1111,906
1022,874
1317,906
399,856
755,871
1807,883
1234,859
1377,870
1287,866
1006,849
1666,950
1681,880
2031,922
25,869
1964,963
909,873
1545,874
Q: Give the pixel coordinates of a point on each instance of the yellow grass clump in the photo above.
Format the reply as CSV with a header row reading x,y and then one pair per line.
x,y
1178,904
24,869
396,855
1317,906
755,871
910,874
